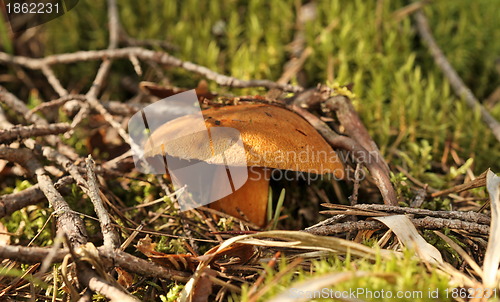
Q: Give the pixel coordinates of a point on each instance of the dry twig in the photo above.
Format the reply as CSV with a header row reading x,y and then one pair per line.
x,y
455,81
111,239
428,223
32,130
147,55
359,153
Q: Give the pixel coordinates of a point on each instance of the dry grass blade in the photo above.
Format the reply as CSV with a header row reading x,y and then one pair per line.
x,y
314,242
347,210
480,181
472,263
317,284
409,236
492,257
289,239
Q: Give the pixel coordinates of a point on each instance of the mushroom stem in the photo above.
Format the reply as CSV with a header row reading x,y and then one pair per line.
x,y
250,199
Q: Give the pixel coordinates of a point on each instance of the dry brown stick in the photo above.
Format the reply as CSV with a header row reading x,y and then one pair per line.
x,y
455,81
480,181
98,284
91,273
401,13
64,162
469,216
428,223
12,202
94,102
33,130
67,220
53,81
103,70
358,152
30,255
110,237
124,260
141,266
148,55
58,102
124,109
13,102
17,105
354,127
114,24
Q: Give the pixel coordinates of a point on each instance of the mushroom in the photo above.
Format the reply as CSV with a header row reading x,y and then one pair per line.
x,y
272,138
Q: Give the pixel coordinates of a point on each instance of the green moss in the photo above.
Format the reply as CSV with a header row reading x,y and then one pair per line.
x,y
406,275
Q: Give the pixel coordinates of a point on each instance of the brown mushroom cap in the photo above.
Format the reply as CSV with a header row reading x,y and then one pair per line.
x,y
272,137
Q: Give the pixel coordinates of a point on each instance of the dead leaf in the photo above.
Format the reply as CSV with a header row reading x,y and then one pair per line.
x,y
4,235
180,262
125,279
492,256
203,288
409,237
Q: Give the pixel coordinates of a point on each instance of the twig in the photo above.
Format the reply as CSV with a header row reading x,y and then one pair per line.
x,y
428,223
114,257
141,266
359,153
67,220
469,216
114,24
53,81
94,102
58,102
354,127
107,289
33,130
401,13
111,239
12,202
13,102
148,55
480,181
30,254
455,81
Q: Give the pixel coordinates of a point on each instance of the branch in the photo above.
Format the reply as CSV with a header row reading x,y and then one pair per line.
x,y
148,55
455,81
67,220
359,153
18,106
110,237
33,130
124,260
428,223
469,216
12,202
354,127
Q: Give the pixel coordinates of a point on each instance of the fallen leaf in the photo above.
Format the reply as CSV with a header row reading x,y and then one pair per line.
x,y
4,235
179,262
492,256
203,288
125,279
409,237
